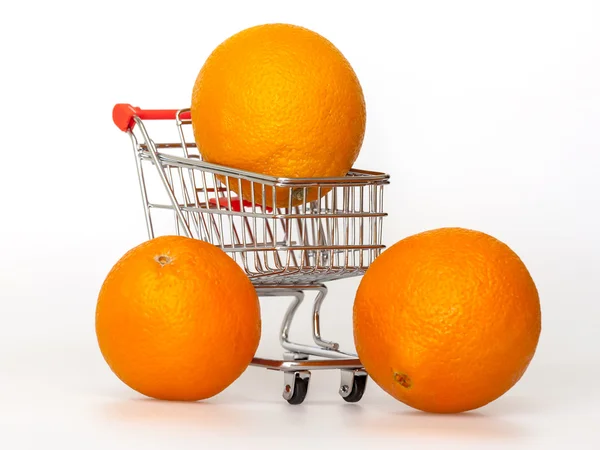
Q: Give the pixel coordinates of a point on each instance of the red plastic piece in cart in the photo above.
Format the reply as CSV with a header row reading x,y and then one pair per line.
x,y
235,204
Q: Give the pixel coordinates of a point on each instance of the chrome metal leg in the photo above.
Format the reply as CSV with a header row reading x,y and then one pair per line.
x,y
322,292
287,322
328,349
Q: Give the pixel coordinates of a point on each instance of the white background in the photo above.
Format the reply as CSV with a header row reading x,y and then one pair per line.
x,y
486,115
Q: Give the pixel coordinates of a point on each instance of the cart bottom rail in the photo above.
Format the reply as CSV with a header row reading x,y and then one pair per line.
x,y
283,365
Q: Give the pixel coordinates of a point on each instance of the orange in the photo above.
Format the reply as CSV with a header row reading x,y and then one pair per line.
x,y
447,320
278,100
177,319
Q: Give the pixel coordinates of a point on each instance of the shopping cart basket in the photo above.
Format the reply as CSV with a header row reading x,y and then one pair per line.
x,y
285,251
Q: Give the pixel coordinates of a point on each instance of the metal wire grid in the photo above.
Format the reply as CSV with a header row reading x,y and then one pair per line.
x,y
338,235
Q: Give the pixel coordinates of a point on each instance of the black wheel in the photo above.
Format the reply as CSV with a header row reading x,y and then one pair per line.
x,y
300,390
358,389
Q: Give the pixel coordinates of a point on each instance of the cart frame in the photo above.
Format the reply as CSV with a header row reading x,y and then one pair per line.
x,y
329,229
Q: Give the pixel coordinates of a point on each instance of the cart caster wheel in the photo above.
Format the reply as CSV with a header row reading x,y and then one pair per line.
x,y
353,385
296,386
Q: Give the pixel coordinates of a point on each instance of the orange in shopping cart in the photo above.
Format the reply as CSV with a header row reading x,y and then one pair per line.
x,y
447,320
279,100
177,319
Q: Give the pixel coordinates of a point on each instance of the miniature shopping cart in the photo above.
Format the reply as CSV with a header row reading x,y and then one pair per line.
x,y
285,251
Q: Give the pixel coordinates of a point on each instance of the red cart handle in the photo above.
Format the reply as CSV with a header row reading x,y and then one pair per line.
x,y
123,114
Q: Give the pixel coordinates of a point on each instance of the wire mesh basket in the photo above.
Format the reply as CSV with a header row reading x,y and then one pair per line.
x,y
280,230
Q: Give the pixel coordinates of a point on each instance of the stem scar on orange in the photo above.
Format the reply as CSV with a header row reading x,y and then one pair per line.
x,y
177,319
447,320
